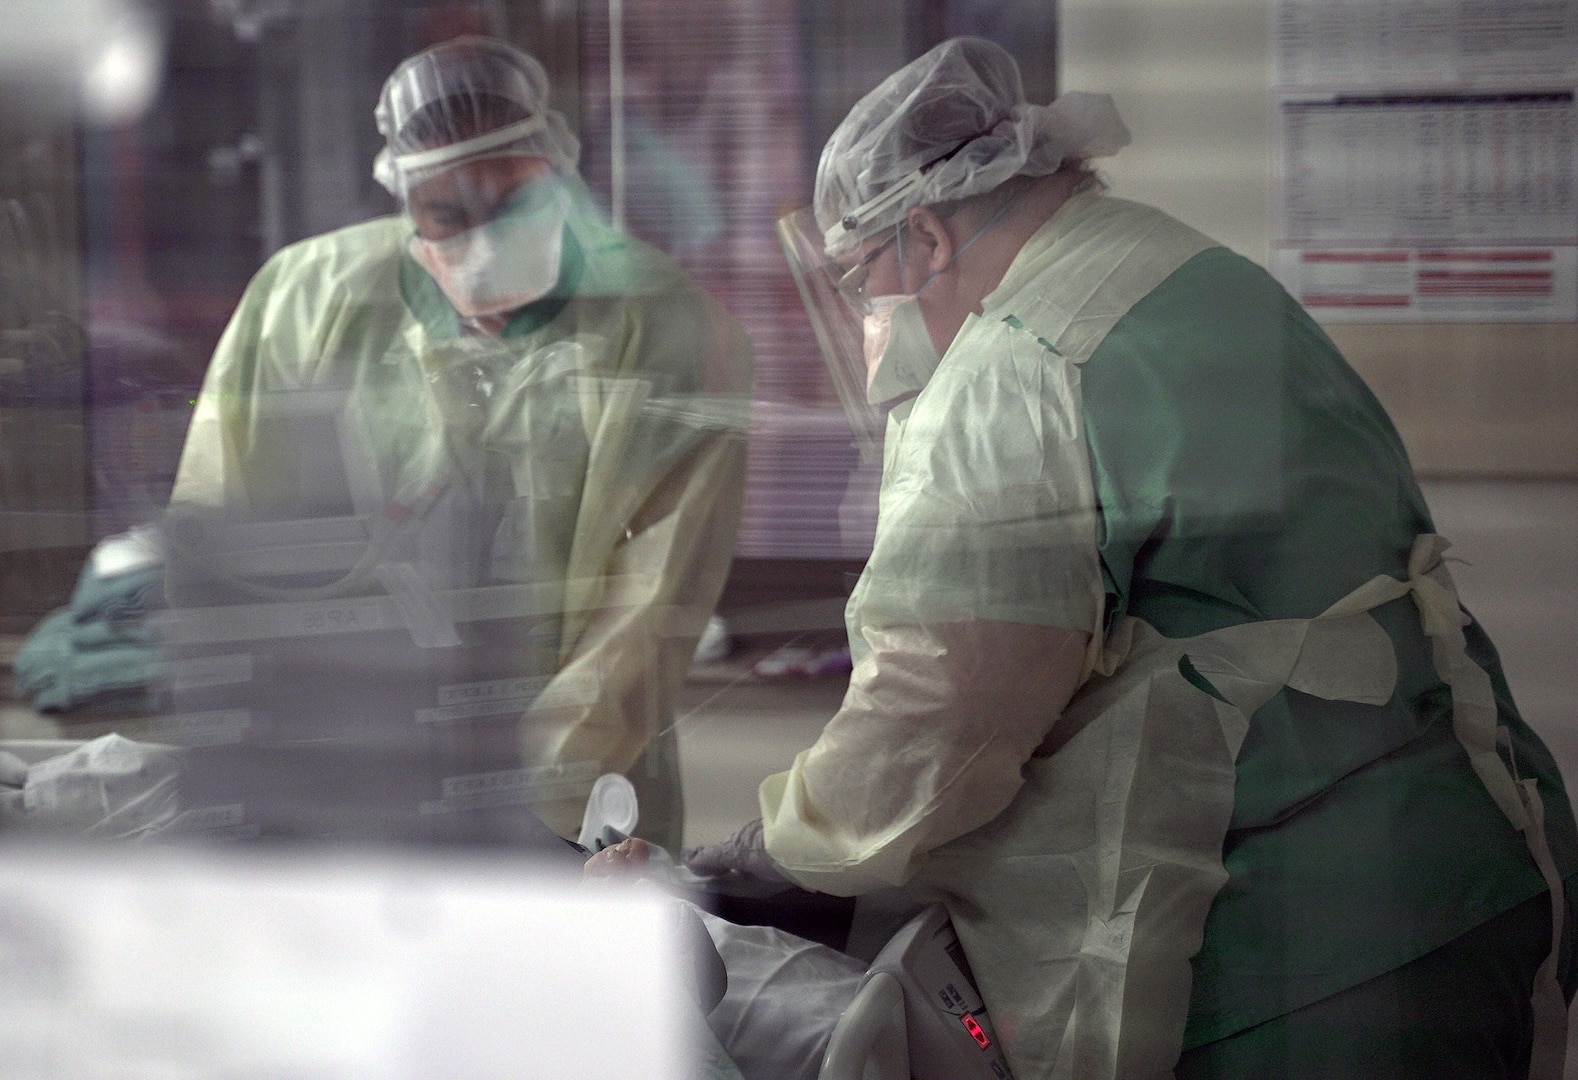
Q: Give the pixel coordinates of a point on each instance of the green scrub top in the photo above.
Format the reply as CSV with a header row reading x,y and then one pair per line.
x,y
1244,472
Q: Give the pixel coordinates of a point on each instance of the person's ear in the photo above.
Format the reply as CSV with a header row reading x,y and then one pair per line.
x,y
930,236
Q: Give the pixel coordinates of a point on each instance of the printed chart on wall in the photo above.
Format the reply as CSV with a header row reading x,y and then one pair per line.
x,y
1428,159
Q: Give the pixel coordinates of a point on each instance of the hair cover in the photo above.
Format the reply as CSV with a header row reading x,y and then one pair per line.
x,y
951,124
468,98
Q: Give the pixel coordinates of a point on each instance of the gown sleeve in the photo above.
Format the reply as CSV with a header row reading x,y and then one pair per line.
x,y
976,619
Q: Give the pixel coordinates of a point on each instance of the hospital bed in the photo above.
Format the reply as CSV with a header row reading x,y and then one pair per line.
x,y
316,708
916,1013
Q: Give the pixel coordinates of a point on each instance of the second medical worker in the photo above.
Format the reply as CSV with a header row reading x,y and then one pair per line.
x,y
1161,684
566,386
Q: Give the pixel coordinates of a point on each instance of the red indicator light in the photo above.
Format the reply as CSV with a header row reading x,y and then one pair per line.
x,y
976,1031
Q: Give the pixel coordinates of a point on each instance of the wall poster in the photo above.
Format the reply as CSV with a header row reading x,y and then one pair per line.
x,y
1427,159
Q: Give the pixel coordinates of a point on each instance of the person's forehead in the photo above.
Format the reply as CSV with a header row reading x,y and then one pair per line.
x,y
482,178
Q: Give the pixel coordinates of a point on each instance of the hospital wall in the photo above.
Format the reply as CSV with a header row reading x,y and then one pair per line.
x,y
1193,81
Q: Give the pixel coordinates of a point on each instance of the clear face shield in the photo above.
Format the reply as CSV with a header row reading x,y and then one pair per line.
x,y
833,293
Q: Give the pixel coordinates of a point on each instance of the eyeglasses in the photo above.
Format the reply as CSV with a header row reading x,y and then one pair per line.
x,y
852,284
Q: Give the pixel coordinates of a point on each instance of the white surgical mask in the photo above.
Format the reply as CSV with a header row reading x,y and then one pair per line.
x,y
900,356
878,328
507,262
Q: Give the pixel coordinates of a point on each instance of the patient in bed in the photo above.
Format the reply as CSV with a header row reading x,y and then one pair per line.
x,y
784,993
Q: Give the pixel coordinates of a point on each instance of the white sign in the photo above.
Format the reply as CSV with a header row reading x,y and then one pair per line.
x,y
1477,285
1428,159
1433,168
1426,42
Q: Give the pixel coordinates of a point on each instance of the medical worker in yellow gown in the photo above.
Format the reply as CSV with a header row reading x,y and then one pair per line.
x,y
1161,684
506,350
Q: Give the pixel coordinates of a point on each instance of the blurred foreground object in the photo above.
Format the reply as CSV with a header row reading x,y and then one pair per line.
x,y
324,964
104,56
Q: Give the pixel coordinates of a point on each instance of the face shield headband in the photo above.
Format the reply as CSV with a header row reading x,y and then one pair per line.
x,y
848,230
423,161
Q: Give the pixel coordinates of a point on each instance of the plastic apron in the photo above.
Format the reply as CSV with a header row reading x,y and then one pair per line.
x,y
1093,979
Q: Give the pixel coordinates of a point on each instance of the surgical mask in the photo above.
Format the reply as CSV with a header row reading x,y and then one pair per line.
x,y
877,328
507,262
900,356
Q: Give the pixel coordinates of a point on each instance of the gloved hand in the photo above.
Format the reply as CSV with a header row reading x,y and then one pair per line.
x,y
744,853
